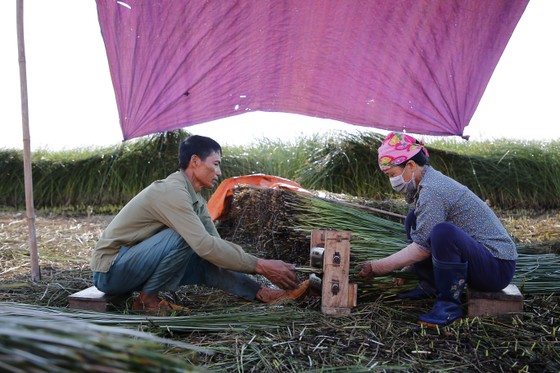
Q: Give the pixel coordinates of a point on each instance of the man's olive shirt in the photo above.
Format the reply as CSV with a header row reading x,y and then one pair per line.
x,y
173,203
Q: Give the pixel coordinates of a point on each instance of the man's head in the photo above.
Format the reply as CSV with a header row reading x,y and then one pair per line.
x,y
200,158
200,146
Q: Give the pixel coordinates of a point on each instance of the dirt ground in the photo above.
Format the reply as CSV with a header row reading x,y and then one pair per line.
x,y
534,229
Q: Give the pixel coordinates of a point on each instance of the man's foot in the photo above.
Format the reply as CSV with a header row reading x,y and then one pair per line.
x,y
151,304
272,296
146,301
172,307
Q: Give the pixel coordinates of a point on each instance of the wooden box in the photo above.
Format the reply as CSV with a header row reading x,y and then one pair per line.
x,y
505,302
92,299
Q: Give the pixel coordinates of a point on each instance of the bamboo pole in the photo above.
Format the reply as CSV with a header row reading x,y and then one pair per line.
x,y
30,210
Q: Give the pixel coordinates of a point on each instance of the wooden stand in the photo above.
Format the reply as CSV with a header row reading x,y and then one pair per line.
x,y
506,302
337,295
92,299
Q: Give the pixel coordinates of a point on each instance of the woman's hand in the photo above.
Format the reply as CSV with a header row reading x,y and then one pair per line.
x,y
367,270
399,281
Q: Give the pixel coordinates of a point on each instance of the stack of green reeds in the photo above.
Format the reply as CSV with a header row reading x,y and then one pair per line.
x,y
233,318
63,340
34,340
498,171
281,221
537,273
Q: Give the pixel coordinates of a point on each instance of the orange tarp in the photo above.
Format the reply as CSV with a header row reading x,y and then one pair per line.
x,y
219,203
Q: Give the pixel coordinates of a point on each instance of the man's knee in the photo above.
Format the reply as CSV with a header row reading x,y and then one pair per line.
x,y
172,238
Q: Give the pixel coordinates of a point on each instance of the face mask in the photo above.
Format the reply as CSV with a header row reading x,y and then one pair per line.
x,y
401,186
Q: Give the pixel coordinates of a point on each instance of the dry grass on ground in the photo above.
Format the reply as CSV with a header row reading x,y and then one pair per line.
x,y
537,229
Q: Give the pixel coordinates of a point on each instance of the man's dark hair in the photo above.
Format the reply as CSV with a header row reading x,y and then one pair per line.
x,y
200,145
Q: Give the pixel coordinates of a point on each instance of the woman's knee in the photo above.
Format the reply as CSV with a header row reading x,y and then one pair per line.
x,y
444,229
444,240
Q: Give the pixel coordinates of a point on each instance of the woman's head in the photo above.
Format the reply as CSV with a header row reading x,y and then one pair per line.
x,y
399,148
400,155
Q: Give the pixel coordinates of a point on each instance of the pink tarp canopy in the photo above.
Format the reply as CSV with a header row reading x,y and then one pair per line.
x,y
414,65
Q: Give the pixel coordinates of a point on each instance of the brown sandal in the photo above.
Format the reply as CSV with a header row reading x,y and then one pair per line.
x,y
162,308
295,294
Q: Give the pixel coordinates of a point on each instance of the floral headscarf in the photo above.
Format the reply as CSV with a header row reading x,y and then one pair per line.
x,y
398,148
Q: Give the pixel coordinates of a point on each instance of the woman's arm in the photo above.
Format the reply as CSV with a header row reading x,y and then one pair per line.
x,y
413,253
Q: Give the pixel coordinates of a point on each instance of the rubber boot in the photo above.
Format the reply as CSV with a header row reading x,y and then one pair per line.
x,y
450,281
425,288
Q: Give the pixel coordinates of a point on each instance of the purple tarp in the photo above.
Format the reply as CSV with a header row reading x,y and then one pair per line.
x,y
414,65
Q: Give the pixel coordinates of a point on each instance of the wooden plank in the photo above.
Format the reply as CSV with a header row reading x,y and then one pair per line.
x,y
336,266
92,299
352,295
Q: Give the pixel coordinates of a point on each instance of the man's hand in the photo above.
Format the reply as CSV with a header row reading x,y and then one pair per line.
x,y
280,273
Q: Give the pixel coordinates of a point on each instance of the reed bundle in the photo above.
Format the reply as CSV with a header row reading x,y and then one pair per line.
x,y
32,339
498,171
277,224
217,320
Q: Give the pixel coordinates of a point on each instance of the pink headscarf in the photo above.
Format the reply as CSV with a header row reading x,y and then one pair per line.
x,y
398,148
